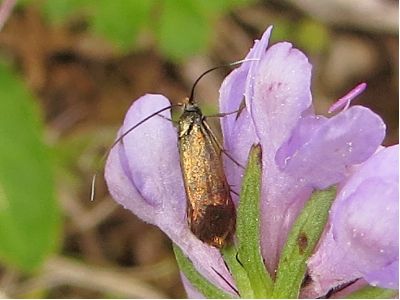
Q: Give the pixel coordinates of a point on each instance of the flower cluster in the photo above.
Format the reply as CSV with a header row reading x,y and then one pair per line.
x,y
301,152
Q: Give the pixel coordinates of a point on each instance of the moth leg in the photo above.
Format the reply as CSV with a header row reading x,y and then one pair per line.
x,y
226,281
238,111
232,191
232,159
215,140
164,117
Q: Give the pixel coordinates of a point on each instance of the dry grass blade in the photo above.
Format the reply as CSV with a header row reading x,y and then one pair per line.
x,y
63,271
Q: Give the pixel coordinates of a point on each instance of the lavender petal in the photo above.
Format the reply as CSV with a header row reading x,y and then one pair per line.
x,y
322,152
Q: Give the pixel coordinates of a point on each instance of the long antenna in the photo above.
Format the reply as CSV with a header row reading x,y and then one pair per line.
x,y
191,98
138,124
190,101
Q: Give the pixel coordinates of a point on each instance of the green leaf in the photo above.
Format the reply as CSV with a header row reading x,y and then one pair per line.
x,y
312,36
371,292
300,244
248,227
220,6
196,279
58,10
29,215
183,29
121,21
284,30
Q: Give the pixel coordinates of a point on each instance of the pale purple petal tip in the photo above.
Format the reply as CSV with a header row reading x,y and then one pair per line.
x,y
159,182
345,101
320,150
278,94
232,91
129,166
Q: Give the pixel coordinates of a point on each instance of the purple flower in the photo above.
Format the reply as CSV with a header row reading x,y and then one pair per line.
x,y
301,152
362,239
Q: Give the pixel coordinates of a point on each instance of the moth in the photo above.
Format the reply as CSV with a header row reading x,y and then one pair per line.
x,y
211,212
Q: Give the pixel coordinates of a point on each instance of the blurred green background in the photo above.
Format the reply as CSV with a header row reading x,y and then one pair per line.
x,y
69,70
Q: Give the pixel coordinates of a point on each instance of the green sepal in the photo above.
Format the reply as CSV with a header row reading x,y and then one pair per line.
x,y
239,274
301,242
196,279
248,227
370,292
